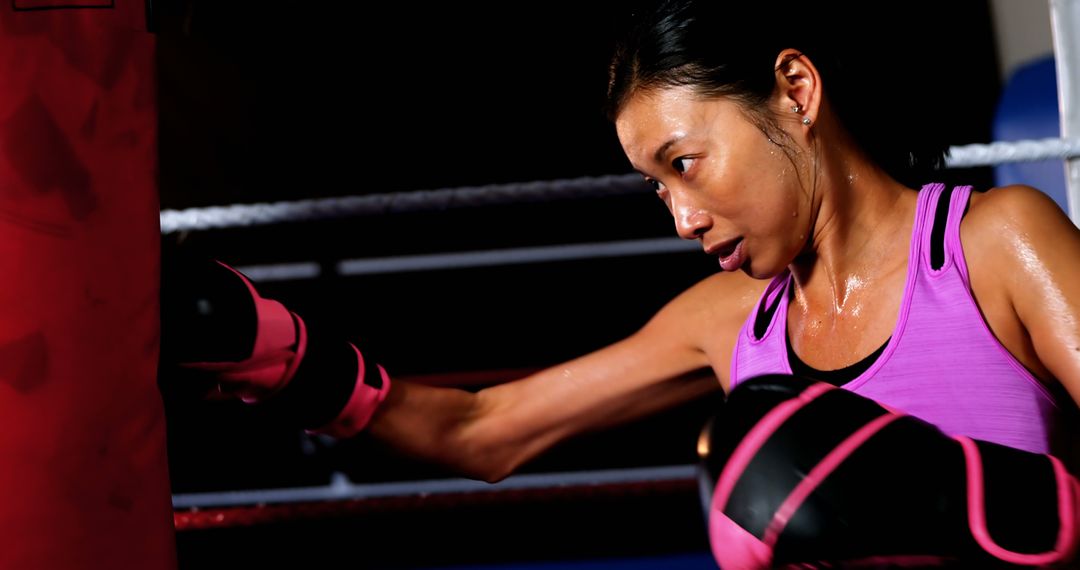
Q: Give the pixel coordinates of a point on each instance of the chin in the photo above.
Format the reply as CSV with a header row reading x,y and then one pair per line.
x,y
762,271
758,273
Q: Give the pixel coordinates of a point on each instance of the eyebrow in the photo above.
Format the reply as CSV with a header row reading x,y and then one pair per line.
x,y
658,156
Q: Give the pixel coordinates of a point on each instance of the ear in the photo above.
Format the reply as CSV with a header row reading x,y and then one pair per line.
x,y
798,88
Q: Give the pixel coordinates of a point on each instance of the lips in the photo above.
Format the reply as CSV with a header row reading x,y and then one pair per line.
x,y
730,253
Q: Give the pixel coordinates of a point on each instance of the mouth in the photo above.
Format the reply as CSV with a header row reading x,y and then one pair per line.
x,y
729,253
724,249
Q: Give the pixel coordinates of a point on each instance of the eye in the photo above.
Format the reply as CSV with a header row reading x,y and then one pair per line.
x,y
656,184
682,164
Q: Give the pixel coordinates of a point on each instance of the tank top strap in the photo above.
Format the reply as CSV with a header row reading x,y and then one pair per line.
x,y
770,306
954,250
930,218
943,209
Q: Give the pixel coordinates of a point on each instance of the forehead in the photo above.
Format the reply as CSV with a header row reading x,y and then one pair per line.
x,y
651,117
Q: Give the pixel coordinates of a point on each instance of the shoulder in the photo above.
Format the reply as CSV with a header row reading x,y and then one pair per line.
x,y
1012,233
704,321
1004,212
721,296
1027,251
714,305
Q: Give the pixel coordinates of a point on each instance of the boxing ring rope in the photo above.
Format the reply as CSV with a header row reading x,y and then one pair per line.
x,y
248,215
341,497
471,259
221,217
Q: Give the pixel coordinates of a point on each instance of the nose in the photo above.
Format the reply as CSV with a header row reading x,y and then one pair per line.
x,y
691,222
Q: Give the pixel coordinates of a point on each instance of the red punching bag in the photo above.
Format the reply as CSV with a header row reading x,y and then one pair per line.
x,y
83,473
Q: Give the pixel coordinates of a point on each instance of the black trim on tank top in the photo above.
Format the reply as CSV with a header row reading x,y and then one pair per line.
x,y
937,235
765,314
835,377
798,367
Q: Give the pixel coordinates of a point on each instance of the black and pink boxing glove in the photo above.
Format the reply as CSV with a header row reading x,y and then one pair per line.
x,y
798,474
218,330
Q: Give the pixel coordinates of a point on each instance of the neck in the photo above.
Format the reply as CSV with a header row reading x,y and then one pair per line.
x,y
858,217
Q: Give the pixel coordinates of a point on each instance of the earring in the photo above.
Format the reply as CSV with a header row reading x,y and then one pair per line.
x,y
796,109
806,120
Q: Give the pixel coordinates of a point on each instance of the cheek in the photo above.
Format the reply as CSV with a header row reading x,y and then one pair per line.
x,y
766,186
770,175
772,209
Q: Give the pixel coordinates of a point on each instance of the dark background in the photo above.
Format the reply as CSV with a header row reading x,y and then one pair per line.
x,y
284,101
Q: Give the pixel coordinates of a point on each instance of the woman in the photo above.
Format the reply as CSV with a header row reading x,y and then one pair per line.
x,y
960,308
746,146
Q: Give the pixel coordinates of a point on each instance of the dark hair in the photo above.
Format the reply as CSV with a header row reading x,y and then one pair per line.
x,y
729,49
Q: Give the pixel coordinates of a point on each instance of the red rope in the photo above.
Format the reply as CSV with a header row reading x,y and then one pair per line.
x,y
201,519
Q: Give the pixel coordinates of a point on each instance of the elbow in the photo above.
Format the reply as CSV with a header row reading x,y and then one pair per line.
x,y
487,451
483,474
488,461
493,440
494,475
500,470
483,470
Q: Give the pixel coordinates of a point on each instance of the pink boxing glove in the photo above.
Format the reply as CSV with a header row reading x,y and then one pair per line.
x,y
218,330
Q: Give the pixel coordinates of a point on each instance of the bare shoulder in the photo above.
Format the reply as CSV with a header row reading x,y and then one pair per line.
x,y
1022,251
708,316
1006,232
1017,242
1009,211
716,299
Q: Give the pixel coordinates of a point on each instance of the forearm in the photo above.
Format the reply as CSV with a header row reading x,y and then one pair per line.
x,y
438,425
490,434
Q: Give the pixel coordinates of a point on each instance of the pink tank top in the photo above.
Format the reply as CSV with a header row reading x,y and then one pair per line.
x,y
942,364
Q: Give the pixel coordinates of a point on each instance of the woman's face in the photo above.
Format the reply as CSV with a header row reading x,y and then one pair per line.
x,y
721,177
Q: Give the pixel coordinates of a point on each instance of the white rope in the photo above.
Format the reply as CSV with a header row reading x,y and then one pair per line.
x,y
1018,151
282,271
515,256
472,259
342,489
218,217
